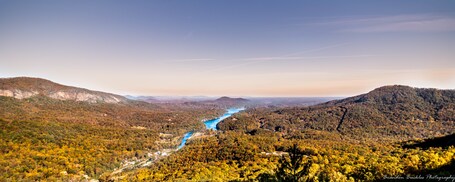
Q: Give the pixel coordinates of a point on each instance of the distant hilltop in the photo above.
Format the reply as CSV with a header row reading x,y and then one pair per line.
x,y
229,99
26,87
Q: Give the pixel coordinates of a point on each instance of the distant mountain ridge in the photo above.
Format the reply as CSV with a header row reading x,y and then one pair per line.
x,y
229,99
229,102
169,99
26,87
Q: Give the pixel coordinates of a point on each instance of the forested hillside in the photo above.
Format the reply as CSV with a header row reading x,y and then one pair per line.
x,y
366,137
387,113
46,138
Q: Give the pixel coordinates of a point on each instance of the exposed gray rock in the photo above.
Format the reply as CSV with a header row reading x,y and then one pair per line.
x,y
18,94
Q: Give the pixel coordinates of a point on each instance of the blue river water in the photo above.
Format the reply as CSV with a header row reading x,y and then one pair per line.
x,y
211,124
185,138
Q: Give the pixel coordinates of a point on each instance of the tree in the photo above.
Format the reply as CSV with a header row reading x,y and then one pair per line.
x,y
295,167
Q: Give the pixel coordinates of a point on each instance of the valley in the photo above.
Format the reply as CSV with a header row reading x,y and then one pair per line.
x,y
227,91
386,132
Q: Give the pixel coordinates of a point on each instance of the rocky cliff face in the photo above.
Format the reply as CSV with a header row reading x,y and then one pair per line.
x,y
85,96
18,94
22,88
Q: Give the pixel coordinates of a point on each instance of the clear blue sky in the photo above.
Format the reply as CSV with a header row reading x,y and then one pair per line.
x,y
238,48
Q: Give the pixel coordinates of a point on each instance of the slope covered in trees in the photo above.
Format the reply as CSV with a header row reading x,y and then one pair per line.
x,y
46,138
386,113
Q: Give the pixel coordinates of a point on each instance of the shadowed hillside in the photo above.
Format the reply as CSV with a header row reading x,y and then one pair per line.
x,y
445,141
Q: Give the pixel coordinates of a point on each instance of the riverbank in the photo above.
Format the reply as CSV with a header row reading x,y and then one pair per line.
x,y
211,124
153,157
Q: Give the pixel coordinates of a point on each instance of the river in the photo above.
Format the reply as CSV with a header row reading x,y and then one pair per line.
x,y
211,124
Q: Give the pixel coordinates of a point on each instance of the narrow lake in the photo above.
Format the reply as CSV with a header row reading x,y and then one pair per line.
x,y
211,124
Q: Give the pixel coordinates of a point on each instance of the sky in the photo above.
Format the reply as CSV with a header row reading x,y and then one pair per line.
x,y
232,48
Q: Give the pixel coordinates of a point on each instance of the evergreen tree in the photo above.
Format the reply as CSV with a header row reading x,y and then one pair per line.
x,y
296,167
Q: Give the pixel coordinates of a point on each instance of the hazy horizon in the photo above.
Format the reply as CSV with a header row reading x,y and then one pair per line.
x,y
233,48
